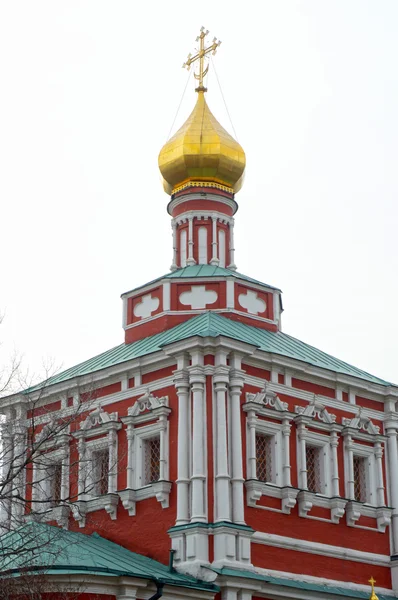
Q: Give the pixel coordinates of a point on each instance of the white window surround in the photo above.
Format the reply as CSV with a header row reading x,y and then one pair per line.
x,y
267,404
54,451
97,423
145,409
356,430
316,416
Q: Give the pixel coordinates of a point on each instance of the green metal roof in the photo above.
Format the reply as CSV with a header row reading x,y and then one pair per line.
x,y
41,547
212,325
204,271
302,585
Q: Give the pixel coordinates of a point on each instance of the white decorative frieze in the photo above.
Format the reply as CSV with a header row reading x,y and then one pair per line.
x,y
146,307
361,422
147,402
267,398
316,410
252,303
97,418
198,297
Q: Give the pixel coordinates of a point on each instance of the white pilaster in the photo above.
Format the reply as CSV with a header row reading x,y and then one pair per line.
x,y
181,382
190,259
379,474
221,488
214,259
390,428
130,455
197,380
334,442
237,481
231,246
174,261
286,427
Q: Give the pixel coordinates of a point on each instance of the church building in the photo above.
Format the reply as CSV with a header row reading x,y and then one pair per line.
x,y
210,454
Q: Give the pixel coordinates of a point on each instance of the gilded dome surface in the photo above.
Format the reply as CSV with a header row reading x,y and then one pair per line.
x,y
202,151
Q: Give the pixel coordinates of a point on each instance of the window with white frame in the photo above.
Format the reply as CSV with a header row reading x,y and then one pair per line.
x,y
98,464
55,476
147,451
317,462
360,472
363,469
268,450
100,461
315,468
151,456
265,457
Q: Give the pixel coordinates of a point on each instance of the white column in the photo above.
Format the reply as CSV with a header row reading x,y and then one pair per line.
x,y
378,450
214,259
197,380
251,422
18,506
174,262
65,471
81,485
181,382
232,265
130,456
334,442
390,428
286,453
301,432
8,455
237,481
350,492
112,475
190,260
162,439
221,475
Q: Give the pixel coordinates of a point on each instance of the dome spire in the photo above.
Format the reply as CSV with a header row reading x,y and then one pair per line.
x,y
200,56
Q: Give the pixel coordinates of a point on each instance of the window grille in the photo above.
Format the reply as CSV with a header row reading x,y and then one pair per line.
x,y
55,476
152,460
360,488
313,466
101,471
264,462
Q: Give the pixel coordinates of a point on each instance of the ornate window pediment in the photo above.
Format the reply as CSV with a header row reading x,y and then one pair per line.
x,y
97,418
316,410
147,451
147,402
267,398
362,423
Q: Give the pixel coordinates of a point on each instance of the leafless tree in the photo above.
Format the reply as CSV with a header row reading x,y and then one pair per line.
x,y
38,425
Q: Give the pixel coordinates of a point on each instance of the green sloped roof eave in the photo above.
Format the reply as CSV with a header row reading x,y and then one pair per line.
x,y
193,271
40,547
302,585
212,325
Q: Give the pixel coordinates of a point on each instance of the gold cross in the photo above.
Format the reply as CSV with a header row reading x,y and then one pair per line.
x,y
200,55
372,583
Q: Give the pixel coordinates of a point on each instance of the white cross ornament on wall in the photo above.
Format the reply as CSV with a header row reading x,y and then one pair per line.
x,y
252,303
146,307
198,297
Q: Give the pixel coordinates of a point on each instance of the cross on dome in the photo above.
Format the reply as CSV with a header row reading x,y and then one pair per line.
x,y
200,56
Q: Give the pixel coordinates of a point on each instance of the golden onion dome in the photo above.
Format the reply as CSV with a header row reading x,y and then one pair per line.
x,y
202,152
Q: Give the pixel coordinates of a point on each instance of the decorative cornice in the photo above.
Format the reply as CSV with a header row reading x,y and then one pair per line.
x,y
267,398
147,402
361,422
316,410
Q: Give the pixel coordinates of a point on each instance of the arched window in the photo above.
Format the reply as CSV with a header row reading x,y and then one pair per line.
x,y
221,247
202,236
183,248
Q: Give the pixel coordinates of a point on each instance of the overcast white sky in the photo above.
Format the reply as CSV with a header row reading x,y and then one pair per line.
x,y
89,90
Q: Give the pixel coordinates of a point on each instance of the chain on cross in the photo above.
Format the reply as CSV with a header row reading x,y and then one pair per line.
x,y
200,56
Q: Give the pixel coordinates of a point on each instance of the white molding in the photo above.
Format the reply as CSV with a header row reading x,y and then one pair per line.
x,y
317,581
310,547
